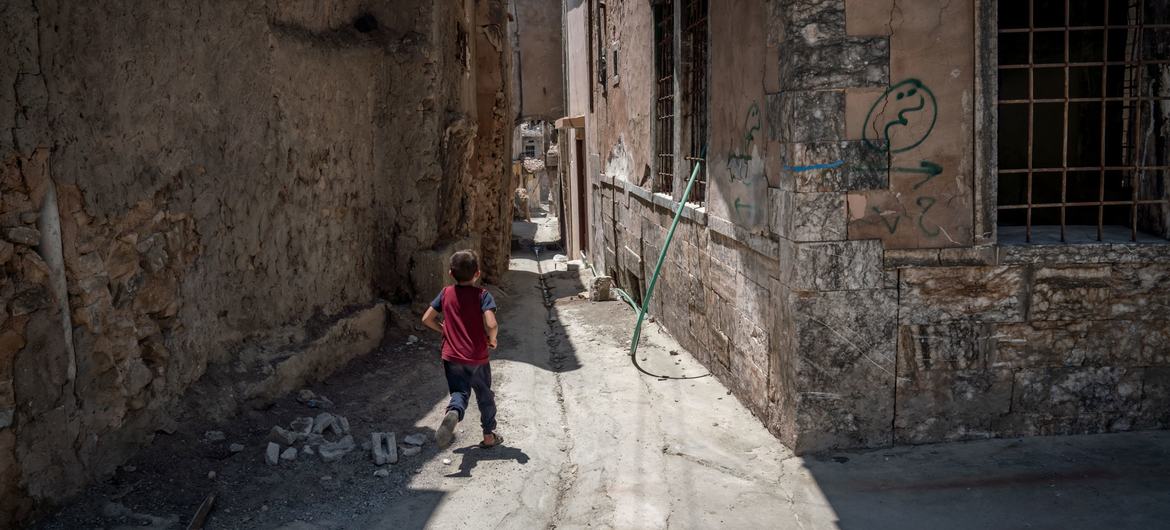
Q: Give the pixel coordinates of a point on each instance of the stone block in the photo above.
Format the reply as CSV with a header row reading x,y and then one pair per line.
x,y
1072,391
954,405
837,166
828,62
836,266
816,216
844,344
989,294
807,117
1155,405
1141,291
968,256
911,257
1070,293
946,346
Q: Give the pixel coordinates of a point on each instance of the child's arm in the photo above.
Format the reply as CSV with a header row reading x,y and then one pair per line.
x,y
431,320
492,327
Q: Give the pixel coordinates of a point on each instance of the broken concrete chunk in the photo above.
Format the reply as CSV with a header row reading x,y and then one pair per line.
x,y
272,454
323,422
332,451
308,450
314,439
289,454
411,339
385,449
411,450
303,425
417,438
305,395
382,473
23,235
236,448
214,436
283,437
601,289
343,423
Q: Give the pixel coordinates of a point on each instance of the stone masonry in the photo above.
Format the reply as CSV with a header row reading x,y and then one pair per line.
x,y
867,307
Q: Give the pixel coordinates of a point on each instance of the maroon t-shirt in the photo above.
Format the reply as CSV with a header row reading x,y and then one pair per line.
x,y
465,339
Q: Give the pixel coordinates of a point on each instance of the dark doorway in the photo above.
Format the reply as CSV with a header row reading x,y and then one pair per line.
x,y
581,198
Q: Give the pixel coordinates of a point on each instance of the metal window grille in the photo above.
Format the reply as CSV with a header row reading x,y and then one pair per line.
x,y
1079,151
664,98
695,90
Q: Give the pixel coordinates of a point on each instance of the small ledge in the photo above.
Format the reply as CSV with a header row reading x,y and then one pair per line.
x,y
758,243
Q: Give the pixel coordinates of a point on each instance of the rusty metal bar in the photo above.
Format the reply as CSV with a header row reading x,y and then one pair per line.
x,y
1087,203
1076,100
1031,113
1104,116
1064,134
1078,28
1083,63
1137,121
1092,168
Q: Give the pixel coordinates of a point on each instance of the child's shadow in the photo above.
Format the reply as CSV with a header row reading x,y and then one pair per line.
x,y
473,454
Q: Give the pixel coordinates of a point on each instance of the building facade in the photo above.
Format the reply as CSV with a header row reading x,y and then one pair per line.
x,y
914,221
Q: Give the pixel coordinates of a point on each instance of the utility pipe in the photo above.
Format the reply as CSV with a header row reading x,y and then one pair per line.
x,y
662,255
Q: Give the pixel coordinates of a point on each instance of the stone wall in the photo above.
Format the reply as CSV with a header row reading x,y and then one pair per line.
x,y
193,191
870,303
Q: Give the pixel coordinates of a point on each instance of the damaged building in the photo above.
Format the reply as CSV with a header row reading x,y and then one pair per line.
x,y
215,200
913,221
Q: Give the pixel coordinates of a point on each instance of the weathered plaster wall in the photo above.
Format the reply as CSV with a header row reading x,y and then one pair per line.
x,y
540,91
185,188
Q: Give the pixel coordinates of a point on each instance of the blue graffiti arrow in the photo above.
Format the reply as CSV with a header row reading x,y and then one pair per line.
x,y
830,165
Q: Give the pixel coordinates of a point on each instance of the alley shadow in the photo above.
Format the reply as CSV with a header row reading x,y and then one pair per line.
x,y
474,454
548,287
395,389
1088,481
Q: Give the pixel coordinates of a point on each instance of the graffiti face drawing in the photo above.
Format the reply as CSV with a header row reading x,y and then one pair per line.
x,y
901,118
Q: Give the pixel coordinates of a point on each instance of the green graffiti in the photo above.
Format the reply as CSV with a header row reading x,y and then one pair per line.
x,y
920,101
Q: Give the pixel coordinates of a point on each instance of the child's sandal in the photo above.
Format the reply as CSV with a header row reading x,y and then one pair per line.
x,y
497,439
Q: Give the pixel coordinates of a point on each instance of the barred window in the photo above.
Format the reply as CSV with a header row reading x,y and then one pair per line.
x,y
695,64
664,97
1083,105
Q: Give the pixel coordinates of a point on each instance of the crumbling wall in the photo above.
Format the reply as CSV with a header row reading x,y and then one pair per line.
x,y
194,190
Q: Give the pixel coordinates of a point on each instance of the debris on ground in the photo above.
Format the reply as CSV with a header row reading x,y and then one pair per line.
x,y
214,436
417,438
411,450
289,454
115,510
303,425
279,435
412,339
446,461
272,454
236,448
561,258
382,473
385,449
312,400
332,451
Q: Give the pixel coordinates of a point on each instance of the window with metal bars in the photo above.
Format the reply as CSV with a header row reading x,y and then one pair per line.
x,y
1083,105
694,91
664,97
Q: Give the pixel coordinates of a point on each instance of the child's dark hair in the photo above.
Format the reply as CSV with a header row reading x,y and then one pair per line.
x,y
464,265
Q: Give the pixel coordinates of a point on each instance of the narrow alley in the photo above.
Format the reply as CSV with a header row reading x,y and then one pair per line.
x,y
793,264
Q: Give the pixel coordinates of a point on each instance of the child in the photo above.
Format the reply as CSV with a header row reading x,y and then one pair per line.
x,y
469,328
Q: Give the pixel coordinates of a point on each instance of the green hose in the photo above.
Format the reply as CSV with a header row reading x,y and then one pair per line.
x,y
662,256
